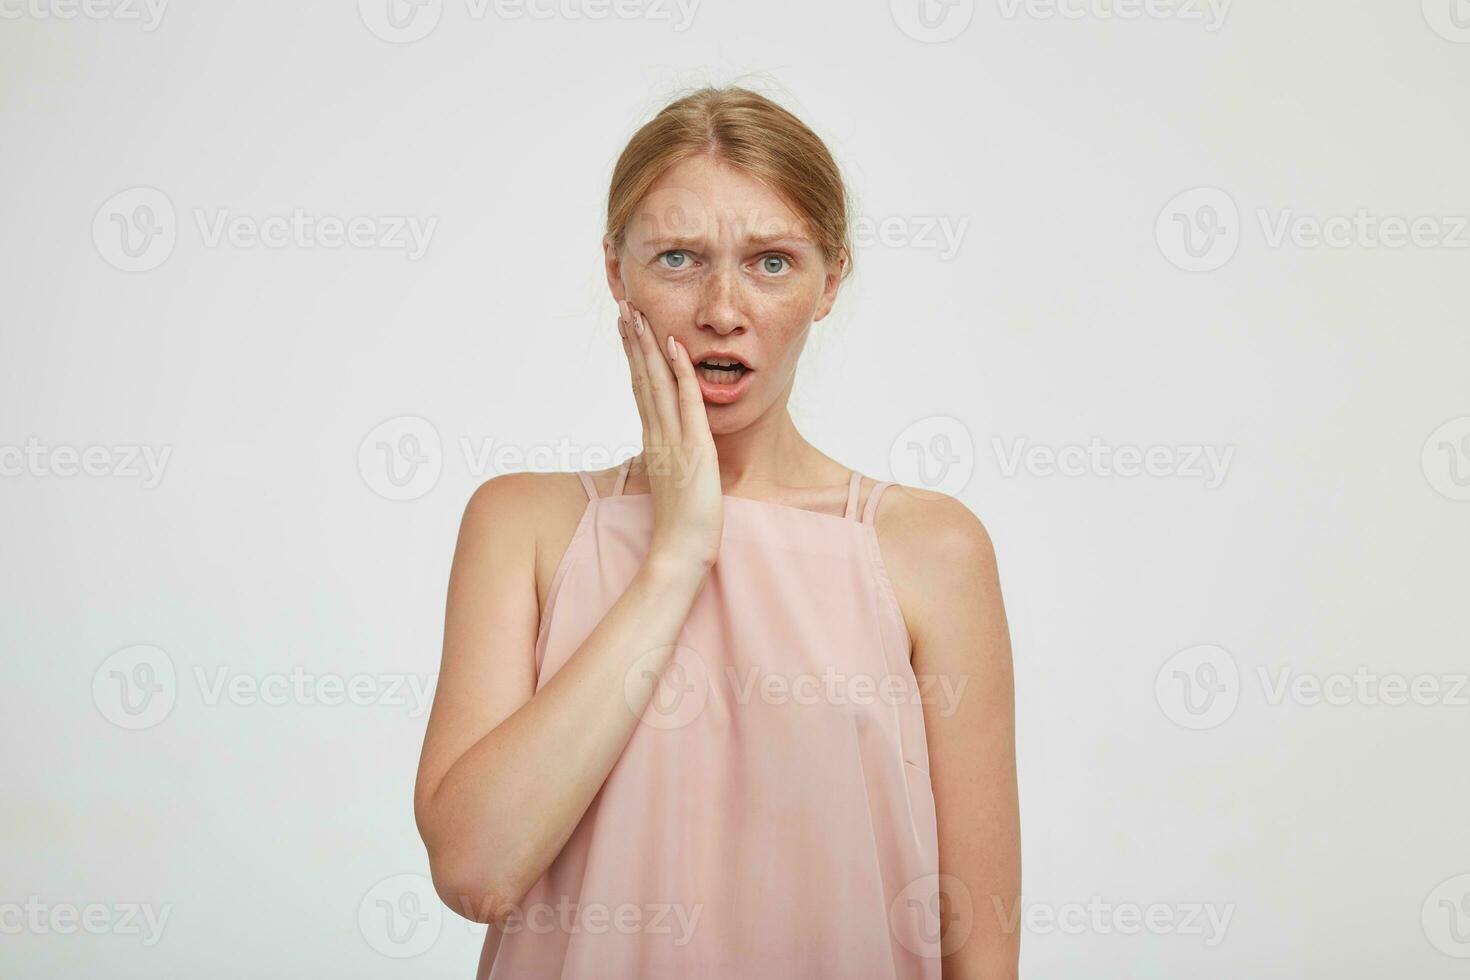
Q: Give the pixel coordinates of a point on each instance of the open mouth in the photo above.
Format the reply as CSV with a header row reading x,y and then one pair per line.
x,y
723,377
722,370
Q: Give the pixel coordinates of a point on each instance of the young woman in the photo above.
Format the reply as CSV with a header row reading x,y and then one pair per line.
x,y
728,709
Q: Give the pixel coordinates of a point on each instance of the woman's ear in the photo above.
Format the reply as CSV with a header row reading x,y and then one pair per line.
x,y
613,265
829,288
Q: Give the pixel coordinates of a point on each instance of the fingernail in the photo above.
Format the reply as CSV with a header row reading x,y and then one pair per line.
x,y
672,353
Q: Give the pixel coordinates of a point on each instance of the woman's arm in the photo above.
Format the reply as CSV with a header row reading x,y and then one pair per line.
x,y
952,601
506,771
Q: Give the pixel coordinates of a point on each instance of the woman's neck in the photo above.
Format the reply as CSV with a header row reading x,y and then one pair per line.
x,y
769,459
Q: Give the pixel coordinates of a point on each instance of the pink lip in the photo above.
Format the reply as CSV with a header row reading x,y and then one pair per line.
x,y
717,394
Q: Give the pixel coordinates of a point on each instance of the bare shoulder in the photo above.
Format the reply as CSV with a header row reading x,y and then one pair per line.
x,y
533,514
519,498
509,502
939,556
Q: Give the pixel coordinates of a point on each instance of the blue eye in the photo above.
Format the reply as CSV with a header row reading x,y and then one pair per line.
x,y
775,258
678,252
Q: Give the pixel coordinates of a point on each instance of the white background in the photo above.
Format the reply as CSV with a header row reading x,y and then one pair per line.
x,y
272,835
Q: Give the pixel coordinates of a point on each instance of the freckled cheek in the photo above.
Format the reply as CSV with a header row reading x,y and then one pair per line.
x,y
779,311
664,304
781,317
667,314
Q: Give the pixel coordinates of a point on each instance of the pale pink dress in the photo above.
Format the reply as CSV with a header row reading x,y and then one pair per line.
x,y
771,816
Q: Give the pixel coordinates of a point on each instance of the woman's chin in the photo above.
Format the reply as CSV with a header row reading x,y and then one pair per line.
x,y
724,419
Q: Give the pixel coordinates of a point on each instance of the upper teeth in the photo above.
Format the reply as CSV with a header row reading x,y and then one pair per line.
x,y
715,362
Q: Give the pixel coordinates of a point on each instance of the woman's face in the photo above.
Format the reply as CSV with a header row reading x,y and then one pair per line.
x,y
718,260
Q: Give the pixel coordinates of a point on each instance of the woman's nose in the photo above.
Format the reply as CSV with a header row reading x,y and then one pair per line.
x,y
721,307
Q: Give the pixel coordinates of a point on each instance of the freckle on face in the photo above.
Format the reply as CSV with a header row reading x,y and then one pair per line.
x,y
722,296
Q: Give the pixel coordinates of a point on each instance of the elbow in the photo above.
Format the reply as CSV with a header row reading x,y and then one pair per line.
x,y
479,880
476,894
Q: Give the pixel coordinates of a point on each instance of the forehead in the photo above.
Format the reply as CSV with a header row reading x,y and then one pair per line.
x,y
702,197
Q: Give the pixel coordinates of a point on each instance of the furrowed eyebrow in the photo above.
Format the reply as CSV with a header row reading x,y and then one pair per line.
x,y
758,241
765,241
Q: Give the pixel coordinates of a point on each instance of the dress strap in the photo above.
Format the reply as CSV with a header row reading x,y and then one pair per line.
x,y
852,495
588,485
872,506
591,487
